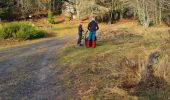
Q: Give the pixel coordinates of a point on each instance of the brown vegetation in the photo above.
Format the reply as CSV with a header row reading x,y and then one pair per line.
x,y
125,65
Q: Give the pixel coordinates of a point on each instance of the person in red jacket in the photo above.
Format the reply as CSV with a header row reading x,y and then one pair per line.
x,y
92,27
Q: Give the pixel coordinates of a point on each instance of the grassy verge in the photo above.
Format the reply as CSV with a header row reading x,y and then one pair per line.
x,y
114,69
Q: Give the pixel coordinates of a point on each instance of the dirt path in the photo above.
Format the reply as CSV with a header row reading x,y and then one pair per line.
x,y
30,72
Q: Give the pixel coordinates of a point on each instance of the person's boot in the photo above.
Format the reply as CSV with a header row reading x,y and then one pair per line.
x,y
90,43
93,44
87,43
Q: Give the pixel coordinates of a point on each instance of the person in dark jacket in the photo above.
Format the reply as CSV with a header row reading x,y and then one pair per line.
x,y
92,27
80,30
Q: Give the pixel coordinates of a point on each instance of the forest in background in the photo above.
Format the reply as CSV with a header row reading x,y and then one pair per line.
x,y
148,12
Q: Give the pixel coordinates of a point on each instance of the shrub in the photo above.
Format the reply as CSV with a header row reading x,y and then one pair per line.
x,y
51,17
20,30
151,23
2,34
38,34
21,34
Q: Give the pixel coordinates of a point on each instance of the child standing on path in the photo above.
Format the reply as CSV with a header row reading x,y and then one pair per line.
x,y
80,31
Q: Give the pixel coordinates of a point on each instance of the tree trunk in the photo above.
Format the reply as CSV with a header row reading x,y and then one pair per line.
x,y
77,9
160,12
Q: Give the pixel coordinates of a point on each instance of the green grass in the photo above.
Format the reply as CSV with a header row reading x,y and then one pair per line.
x,y
118,50
0,25
80,53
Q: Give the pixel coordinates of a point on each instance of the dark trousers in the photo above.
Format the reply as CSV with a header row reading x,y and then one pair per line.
x,y
79,39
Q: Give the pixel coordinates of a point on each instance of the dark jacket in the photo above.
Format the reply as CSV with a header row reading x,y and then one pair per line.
x,y
93,26
80,29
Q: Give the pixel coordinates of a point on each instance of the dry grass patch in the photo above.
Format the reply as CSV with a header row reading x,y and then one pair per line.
x,y
118,67
63,26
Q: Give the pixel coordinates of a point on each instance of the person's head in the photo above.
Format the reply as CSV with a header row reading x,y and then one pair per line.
x,y
81,22
92,19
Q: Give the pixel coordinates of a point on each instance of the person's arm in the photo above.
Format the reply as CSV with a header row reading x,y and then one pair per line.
x,y
80,28
97,27
88,27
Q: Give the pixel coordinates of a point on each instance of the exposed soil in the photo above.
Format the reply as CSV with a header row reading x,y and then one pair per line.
x,y
31,71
